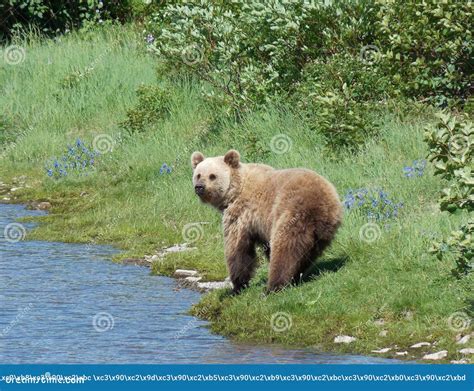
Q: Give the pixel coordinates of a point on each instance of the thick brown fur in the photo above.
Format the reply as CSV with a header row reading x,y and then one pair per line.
x,y
296,211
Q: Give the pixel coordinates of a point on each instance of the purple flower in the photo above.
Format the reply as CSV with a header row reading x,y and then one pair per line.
x,y
150,39
165,169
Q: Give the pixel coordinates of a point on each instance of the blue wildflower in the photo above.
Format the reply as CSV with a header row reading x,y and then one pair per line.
x,y
150,39
417,168
165,169
375,204
77,157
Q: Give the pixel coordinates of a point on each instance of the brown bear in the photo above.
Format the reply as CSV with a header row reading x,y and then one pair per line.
x,y
296,211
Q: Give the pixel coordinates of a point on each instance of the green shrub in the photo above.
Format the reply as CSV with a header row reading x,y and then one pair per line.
x,y
339,96
153,105
459,246
451,143
53,16
427,47
250,51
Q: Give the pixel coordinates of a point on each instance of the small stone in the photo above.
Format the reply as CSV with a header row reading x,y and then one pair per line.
x,y
464,340
178,247
175,249
420,344
379,322
408,315
384,350
154,258
383,333
13,189
44,205
405,353
344,339
462,361
467,351
189,282
6,199
436,356
212,285
183,273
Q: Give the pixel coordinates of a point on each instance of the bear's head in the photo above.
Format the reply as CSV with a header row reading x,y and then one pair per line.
x,y
213,176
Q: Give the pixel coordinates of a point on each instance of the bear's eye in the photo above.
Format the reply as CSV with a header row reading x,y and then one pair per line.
x,y
212,177
198,176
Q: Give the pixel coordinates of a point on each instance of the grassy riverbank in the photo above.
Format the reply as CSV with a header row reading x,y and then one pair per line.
x,y
387,293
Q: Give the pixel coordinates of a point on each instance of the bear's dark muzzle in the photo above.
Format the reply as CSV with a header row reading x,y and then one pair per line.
x,y
199,190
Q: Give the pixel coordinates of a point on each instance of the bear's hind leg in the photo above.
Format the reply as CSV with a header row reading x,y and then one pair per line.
x,y
290,256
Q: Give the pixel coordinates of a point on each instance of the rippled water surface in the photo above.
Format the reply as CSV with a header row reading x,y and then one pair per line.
x,y
68,303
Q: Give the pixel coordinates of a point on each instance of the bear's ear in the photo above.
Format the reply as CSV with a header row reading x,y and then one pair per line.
x,y
196,158
232,158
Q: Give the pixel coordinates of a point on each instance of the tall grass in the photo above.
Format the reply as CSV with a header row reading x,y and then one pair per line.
x,y
81,85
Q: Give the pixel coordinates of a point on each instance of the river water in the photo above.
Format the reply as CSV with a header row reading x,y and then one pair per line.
x,y
68,303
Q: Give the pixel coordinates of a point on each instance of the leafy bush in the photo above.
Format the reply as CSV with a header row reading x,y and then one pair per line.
x,y
252,51
427,47
458,246
339,96
451,143
53,16
153,105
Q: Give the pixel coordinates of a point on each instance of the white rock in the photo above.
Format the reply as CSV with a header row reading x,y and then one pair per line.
x,y
379,322
344,339
436,356
464,340
154,258
211,285
183,273
178,248
383,333
405,353
420,344
467,351
14,189
384,350
408,315
463,361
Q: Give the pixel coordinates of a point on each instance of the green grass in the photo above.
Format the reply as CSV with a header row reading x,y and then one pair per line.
x,y
126,202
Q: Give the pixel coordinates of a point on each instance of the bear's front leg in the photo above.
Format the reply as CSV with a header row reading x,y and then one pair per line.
x,y
240,255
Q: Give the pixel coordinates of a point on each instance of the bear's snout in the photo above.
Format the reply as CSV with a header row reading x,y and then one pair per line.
x,y
199,189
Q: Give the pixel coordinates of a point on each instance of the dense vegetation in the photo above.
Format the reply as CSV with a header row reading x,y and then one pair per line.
x,y
374,95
